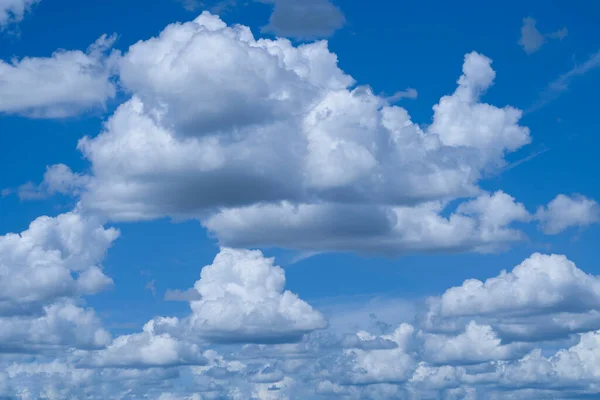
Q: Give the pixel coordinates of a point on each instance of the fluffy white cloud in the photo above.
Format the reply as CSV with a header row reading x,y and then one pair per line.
x,y
62,324
44,272
65,84
57,257
383,365
243,300
232,129
164,362
540,284
14,10
462,120
565,212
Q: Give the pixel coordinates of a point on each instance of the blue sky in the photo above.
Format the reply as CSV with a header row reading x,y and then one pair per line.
x,y
383,155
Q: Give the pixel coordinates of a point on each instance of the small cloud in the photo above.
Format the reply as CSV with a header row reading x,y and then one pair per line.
x,y
191,5
409,93
182,295
307,19
151,286
532,39
218,7
559,34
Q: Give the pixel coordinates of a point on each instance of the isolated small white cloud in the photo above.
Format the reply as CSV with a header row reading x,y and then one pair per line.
x,y
62,85
565,212
532,39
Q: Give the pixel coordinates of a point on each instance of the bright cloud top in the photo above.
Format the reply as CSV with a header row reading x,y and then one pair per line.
x,y
243,298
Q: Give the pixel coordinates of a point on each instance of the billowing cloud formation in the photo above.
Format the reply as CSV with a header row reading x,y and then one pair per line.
x,y
274,145
55,258
44,272
63,85
243,299
544,297
14,10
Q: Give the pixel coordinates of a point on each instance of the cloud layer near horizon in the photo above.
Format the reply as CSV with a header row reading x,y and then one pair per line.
x,y
528,333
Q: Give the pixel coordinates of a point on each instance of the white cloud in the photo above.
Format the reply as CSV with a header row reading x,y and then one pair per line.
x,y
62,324
532,39
55,258
565,212
146,350
286,128
44,272
14,10
243,300
461,120
478,344
63,85
540,284
164,362
383,365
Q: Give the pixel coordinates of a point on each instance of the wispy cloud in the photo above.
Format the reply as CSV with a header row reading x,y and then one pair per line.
x,y
524,159
409,93
561,84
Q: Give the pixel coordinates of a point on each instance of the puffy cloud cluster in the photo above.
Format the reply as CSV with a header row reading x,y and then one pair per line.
x,y
44,271
62,85
55,258
456,349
